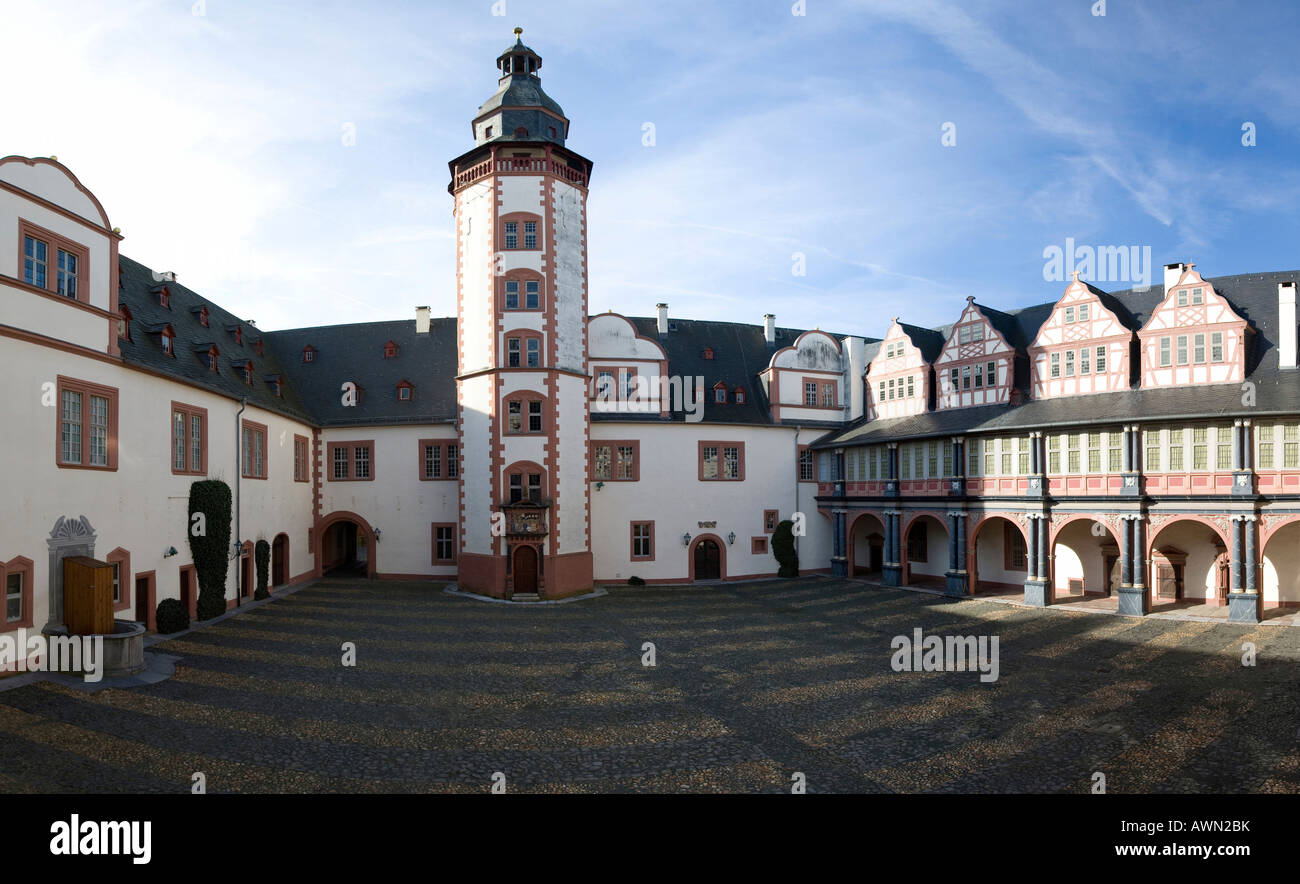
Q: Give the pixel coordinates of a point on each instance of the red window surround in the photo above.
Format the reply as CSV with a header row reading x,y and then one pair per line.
x,y
524,413
525,480
758,545
439,460
642,548
184,435
121,558
720,460
253,454
124,322
301,459
516,234
806,467
53,245
24,569
390,350
517,350
513,287
87,425
443,542
309,353
771,518
350,461
609,460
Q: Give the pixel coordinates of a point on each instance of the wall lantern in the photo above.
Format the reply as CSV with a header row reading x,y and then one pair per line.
x,y
686,539
169,552
731,538
377,533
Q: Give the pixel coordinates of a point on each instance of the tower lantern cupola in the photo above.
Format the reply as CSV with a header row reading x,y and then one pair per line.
x,y
520,110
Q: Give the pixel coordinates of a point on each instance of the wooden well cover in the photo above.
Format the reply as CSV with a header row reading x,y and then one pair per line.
x,y
87,596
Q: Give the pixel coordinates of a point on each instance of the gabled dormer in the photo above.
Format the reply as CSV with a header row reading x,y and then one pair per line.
x,y
207,354
237,332
124,318
899,377
390,350
1194,336
1083,347
977,364
309,353
244,369
164,295
165,335
257,345
276,384
202,314
805,381
405,390
720,392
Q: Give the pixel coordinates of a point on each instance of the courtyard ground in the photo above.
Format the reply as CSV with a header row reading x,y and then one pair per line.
x,y
753,683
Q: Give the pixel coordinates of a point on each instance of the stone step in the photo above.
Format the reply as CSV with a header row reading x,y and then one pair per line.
x,y
526,597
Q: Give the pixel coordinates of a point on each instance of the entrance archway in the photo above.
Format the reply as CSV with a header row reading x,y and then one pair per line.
x,y
345,545
280,560
708,558
1001,557
866,546
925,552
1280,574
1085,561
1185,556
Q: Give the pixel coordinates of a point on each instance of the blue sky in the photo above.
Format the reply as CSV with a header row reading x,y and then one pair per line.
x,y
215,141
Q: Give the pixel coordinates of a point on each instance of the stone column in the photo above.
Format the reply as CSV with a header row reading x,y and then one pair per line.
x,y
1127,454
1244,602
952,541
1235,556
1248,559
1139,555
1132,594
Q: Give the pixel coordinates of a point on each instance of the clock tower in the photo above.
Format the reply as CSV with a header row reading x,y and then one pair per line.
x,y
521,304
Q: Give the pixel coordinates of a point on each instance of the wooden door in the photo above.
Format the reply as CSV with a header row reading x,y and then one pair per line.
x,y
525,570
877,558
708,560
277,562
1166,582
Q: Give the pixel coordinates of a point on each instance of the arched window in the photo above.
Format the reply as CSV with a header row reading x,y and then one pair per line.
x,y
523,349
525,413
525,480
521,290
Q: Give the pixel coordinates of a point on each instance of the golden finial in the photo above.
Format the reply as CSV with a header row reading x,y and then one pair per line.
x,y
518,33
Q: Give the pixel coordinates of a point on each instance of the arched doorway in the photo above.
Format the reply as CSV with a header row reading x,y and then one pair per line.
x,y
1001,557
280,560
925,553
246,570
524,570
708,558
1280,571
1085,562
346,546
1186,567
866,546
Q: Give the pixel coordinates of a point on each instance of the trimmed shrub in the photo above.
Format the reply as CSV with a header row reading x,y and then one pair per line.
x,y
783,549
211,549
262,557
635,581
172,617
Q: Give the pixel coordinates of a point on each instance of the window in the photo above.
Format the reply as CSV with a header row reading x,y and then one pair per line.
x,y
918,542
1175,451
444,542
17,576
1083,312
810,392
1085,361
523,414
52,263
1181,350
615,460
1265,434
740,396
1013,545
87,425
1198,349
352,461
770,520
439,459
720,394
1100,362
1290,447
1152,461
722,461
1115,456
891,389
1164,352
1069,363
828,395
1022,447
165,340
1223,448
525,486
963,334
643,541
309,354
519,231
253,454
758,546
1182,297
947,459
1054,454
1056,365
405,390
1198,296
1216,347
807,472
189,439
954,379
1072,452
973,457
979,376
390,350
965,377
911,389
991,373
301,459
1069,315
1094,452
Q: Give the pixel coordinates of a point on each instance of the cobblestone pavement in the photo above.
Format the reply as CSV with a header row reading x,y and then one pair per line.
x,y
754,682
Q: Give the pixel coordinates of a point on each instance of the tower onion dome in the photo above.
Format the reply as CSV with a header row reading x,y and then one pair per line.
x,y
520,110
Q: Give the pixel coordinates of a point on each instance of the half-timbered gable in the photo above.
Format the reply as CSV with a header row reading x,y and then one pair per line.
x,y
977,365
899,378
1193,337
1083,347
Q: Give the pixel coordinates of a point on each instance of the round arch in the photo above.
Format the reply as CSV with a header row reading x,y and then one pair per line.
x,y
1186,568
1084,562
864,559
363,526
1279,563
280,559
722,555
933,567
993,564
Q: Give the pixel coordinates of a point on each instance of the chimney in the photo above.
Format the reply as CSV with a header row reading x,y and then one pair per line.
x,y
769,329
421,320
663,318
1173,273
1286,327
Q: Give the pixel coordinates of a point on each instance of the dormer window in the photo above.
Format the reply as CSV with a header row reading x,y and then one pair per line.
x,y
164,297
720,393
708,353
203,317
274,383
740,396
390,350
309,353
238,332
258,347
405,391
166,340
487,133
124,323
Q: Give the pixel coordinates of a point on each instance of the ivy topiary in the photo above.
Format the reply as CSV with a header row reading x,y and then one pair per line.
x,y
210,547
262,556
784,551
172,617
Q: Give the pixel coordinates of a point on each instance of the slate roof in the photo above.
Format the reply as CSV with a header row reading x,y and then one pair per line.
x,y
1253,296
355,353
139,294
929,341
